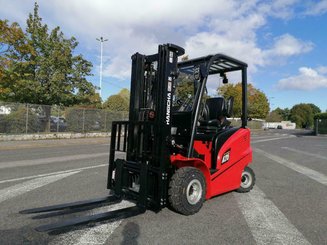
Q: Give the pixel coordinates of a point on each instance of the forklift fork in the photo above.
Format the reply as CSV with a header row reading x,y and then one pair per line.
x,y
110,215
72,205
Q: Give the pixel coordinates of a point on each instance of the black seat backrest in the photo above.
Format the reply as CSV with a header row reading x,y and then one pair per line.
x,y
218,141
215,107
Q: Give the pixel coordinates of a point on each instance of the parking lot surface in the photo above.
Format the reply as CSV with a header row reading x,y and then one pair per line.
x,y
287,205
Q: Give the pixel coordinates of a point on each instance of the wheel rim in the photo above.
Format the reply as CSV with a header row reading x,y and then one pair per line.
x,y
194,191
246,180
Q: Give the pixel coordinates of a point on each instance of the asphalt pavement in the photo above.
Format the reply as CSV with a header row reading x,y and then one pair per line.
x,y
287,206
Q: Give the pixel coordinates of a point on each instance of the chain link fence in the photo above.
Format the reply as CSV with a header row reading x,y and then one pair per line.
x,y
17,118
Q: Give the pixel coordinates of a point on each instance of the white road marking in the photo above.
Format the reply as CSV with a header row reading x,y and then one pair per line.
x,y
53,173
266,222
305,153
30,185
312,174
278,138
50,160
98,234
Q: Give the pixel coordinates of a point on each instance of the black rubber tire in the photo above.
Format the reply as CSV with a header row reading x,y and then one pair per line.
x,y
183,181
247,180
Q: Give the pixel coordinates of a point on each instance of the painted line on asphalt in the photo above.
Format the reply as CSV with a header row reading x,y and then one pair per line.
x,y
30,185
22,163
53,173
98,234
312,174
266,222
278,138
305,153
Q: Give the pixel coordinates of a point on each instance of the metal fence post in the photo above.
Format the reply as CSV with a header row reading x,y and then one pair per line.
x,y
316,126
26,119
105,121
83,127
58,110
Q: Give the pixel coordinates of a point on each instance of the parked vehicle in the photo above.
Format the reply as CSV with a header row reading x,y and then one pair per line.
x,y
58,124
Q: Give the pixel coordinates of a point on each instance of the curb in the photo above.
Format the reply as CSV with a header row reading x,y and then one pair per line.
x,y
52,136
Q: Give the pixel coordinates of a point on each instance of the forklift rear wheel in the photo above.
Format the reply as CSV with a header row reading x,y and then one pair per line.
x,y
187,190
247,180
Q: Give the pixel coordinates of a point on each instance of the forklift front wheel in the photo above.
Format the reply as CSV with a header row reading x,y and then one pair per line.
x,y
247,180
187,190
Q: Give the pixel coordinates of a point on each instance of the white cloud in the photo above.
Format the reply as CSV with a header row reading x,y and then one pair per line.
x,y
307,79
322,69
202,28
288,45
208,43
317,8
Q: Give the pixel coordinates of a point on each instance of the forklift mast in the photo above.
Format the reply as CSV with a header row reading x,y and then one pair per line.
x,y
143,175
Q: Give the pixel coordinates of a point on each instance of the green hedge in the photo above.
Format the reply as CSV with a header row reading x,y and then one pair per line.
x,y
321,116
321,123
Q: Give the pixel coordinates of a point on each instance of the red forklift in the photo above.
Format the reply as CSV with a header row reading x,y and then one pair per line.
x,y
177,151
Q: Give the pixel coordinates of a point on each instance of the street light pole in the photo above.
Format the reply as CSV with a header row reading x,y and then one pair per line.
x,y
269,100
101,40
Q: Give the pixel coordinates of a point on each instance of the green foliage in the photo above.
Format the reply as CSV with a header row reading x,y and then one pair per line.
x,y
184,88
125,94
302,115
283,113
15,122
14,51
274,116
233,90
315,109
258,106
39,66
118,102
320,115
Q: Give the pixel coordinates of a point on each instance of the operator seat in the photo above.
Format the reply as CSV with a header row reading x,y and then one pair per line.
x,y
214,108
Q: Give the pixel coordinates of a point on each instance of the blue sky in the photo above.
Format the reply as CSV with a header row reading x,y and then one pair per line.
x,y
283,41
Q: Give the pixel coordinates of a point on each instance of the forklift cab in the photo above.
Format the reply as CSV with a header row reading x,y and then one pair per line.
x,y
196,116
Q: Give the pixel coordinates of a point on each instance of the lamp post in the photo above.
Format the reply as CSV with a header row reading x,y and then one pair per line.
x,y
269,100
101,40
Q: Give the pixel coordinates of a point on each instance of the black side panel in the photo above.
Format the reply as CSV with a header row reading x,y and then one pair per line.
x,y
218,141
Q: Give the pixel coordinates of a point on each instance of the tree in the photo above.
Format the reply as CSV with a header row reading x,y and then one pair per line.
x,y
41,67
274,116
118,102
302,115
125,94
60,76
184,88
315,109
283,113
258,106
14,51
